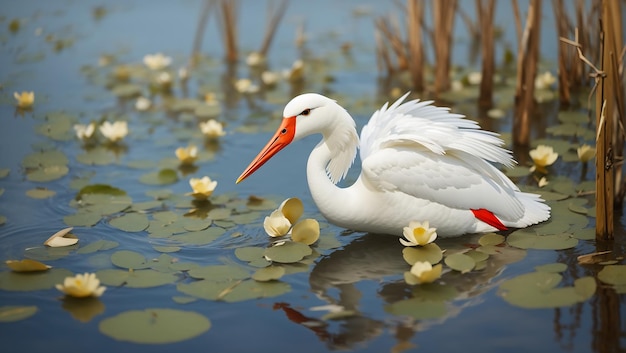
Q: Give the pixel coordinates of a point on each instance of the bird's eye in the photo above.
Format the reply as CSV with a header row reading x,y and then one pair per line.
x,y
306,112
283,131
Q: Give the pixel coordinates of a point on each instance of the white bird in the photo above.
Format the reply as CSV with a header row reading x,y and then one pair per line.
x,y
420,163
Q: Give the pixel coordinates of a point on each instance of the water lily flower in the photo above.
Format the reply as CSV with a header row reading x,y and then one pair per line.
x,y
418,233
82,286
276,224
202,187
183,74
474,78
157,61
85,132
187,155
542,156
142,104
269,78
586,153
244,85
456,85
255,59
25,99
164,79
422,272
544,80
297,71
114,131
542,182
212,128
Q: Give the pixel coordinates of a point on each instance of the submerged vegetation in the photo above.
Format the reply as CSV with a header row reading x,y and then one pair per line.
x,y
138,182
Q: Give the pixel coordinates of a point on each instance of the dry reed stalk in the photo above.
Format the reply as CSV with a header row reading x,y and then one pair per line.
x,y
415,15
563,26
609,118
518,21
228,21
391,32
485,19
383,59
273,21
443,25
527,60
199,35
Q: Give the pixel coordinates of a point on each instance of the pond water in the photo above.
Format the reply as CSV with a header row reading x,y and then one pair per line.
x,y
348,292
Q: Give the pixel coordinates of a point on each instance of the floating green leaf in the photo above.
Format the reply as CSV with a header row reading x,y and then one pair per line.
x,y
201,237
12,313
82,219
269,273
539,290
32,281
129,259
251,289
126,90
613,274
555,267
100,189
491,239
135,278
428,253
524,240
100,245
460,262
96,156
131,222
219,273
4,172
161,177
155,326
288,252
40,193
49,173
418,309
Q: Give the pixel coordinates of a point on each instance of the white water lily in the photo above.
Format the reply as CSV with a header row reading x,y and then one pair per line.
x,y
81,286
142,104
418,233
244,85
423,272
586,153
269,78
25,99
276,224
157,61
542,182
85,132
544,80
202,187
212,128
474,78
187,155
114,131
542,156
255,59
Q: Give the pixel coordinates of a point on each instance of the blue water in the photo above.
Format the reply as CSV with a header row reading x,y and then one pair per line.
x,y
364,274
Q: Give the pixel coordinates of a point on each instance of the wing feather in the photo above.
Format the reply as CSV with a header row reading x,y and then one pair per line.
x,y
429,153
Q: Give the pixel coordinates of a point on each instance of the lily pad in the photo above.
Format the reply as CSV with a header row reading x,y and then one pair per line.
x,y
4,172
100,189
428,253
555,267
418,309
82,219
491,239
539,290
201,237
288,252
100,245
251,289
33,281
131,222
613,274
96,156
12,313
135,278
40,193
219,273
155,326
524,240
129,259
460,262
161,177
269,273
49,173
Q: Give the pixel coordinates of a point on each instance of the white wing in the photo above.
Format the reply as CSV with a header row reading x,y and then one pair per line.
x,y
429,153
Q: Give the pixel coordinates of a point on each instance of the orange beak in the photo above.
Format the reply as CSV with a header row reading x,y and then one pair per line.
x,y
283,136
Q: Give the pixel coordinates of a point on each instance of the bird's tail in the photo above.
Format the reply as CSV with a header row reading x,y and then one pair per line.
x,y
536,210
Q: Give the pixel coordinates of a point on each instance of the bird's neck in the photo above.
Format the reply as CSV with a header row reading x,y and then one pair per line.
x,y
328,164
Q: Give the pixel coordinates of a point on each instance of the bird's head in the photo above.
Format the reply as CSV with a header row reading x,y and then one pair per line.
x,y
304,115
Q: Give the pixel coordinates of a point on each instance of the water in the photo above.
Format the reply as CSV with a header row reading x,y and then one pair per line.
x,y
363,274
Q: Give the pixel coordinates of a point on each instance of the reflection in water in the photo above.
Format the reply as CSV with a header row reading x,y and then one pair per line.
x,y
374,257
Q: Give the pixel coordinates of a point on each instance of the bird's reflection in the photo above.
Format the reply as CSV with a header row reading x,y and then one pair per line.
x,y
335,279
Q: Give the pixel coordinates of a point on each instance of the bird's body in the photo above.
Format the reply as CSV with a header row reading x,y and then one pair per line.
x,y
419,163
